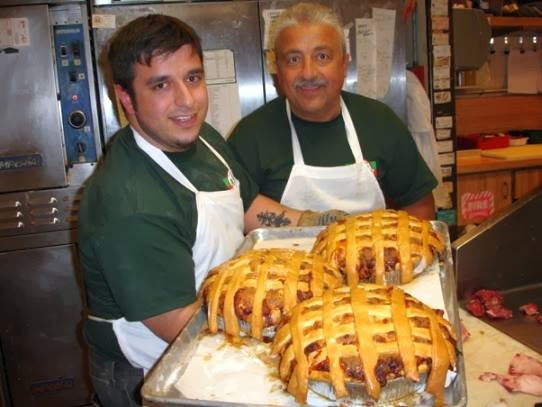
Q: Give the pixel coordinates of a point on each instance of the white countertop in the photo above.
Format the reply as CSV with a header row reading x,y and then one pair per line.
x,y
488,349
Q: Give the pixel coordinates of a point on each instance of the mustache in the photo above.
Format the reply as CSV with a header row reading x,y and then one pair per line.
x,y
310,83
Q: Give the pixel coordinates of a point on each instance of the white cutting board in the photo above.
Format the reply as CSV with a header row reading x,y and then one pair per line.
x,y
489,350
526,152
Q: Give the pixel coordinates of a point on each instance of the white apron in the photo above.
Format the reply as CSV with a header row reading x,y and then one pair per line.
x,y
352,188
219,232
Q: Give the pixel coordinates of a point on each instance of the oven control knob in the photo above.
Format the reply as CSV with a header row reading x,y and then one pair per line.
x,y
77,119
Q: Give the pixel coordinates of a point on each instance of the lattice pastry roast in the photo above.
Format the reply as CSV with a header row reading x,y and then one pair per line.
x,y
383,247
367,335
253,291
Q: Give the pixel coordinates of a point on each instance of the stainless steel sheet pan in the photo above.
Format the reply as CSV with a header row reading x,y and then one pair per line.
x,y
160,384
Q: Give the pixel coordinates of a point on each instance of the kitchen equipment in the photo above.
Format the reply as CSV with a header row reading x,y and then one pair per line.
x,y
504,254
471,34
49,144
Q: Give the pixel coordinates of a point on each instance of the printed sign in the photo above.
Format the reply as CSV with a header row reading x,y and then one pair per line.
x,y
21,162
477,205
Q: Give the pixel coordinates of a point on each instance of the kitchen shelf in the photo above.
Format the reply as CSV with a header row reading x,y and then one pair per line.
x,y
496,114
504,25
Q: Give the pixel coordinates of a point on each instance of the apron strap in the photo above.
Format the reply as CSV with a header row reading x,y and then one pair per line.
x,y
350,130
98,319
160,158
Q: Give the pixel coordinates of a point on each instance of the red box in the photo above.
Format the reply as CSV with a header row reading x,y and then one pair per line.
x,y
483,141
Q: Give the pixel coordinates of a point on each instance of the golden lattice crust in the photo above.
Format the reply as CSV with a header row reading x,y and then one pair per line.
x,y
260,286
367,334
382,247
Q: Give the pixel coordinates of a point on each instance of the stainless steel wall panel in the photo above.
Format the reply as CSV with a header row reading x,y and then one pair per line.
x,y
504,254
221,25
31,144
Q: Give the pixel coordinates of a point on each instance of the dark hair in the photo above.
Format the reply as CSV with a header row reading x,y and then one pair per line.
x,y
143,38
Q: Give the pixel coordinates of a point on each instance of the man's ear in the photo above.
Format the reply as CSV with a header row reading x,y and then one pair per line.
x,y
124,99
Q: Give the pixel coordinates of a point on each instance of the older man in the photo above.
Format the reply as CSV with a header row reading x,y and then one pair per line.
x,y
316,147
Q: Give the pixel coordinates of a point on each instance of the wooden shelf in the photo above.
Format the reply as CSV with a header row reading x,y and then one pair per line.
x,y
509,24
495,114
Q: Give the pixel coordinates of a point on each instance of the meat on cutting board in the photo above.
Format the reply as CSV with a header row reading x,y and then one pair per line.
x,y
525,383
529,309
489,303
523,364
525,375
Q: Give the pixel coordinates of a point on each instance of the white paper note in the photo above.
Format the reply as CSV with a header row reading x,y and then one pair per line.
x,y
385,35
224,101
14,32
268,17
366,57
224,107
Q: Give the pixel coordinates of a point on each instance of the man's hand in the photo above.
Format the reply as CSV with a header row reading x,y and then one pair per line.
x,y
310,218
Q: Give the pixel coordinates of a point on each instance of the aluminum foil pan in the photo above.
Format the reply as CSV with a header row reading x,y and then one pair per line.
x,y
244,327
160,387
400,390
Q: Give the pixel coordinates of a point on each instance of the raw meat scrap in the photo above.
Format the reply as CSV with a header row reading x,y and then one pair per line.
x,y
525,383
525,375
499,313
529,309
490,303
523,364
488,376
489,298
465,334
475,307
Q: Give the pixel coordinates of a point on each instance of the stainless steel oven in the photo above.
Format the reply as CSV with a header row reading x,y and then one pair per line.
x,y
49,144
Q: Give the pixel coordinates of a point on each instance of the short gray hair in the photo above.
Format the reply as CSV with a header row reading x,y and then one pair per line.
x,y
310,13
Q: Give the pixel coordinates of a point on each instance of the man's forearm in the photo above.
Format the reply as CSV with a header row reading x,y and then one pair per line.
x,y
265,212
169,324
422,209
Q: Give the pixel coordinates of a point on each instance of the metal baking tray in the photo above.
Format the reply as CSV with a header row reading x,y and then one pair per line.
x,y
159,388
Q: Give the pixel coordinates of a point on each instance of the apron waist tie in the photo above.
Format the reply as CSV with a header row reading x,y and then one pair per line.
x,y
98,319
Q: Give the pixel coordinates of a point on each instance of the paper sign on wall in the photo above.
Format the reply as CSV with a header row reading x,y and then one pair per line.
x,y
477,205
224,101
374,48
366,57
14,32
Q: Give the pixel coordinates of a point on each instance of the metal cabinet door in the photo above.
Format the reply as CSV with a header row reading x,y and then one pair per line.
x,y
31,137
42,349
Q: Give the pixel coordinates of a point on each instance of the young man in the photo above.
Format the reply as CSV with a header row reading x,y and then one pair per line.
x,y
319,148
167,203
